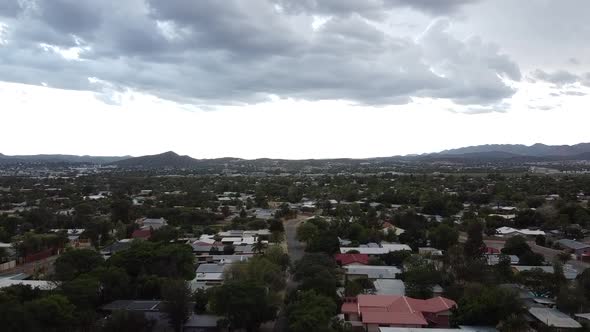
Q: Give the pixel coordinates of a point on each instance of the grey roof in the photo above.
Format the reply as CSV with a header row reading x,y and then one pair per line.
x,y
389,287
554,317
211,268
373,272
202,321
574,245
568,271
132,305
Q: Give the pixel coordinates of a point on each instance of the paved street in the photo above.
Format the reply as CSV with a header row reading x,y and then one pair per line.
x,y
296,250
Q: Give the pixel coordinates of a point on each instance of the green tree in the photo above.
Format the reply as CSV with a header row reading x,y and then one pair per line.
x,y
474,246
420,277
443,237
486,305
306,232
516,245
246,305
75,262
129,321
51,313
310,311
176,295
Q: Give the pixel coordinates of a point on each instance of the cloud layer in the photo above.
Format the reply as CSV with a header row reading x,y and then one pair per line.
x,y
212,52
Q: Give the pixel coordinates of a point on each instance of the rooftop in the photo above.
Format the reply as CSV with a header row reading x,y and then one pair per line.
x,y
554,318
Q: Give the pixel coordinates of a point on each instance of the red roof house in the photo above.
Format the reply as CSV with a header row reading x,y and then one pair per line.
x,y
348,259
397,311
142,234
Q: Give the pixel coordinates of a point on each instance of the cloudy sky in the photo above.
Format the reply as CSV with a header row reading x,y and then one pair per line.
x,y
290,78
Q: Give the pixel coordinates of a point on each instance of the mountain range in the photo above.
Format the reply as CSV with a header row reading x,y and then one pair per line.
x,y
496,152
58,158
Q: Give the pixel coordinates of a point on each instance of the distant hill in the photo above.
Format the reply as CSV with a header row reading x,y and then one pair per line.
x,y
535,150
57,158
163,160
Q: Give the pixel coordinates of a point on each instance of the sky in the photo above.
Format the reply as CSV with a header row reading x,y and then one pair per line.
x,y
290,78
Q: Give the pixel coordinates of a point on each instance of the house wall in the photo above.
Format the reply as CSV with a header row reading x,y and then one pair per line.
x,y
580,252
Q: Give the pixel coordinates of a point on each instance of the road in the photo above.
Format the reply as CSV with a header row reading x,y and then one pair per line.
x,y
46,265
296,250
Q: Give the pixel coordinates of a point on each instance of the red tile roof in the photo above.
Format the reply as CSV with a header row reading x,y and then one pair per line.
x,y
492,250
397,318
142,234
397,310
345,259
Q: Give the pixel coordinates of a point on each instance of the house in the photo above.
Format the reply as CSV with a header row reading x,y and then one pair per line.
x,y
461,328
114,247
388,227
351,259
494,259
153,223
374,311
389,287
19,279
553,318
568,271
509,232
376,250
577,248
211,274
152,311
141,234
371,272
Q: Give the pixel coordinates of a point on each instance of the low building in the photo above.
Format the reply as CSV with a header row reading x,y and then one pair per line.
x,y
375,311
568,271
376,250
553,318
577,248
509,232
389,287
371,272
351,259
494,259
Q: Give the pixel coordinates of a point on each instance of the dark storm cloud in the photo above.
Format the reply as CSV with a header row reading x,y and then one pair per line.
x,y
211,52
370,8
9,8
561,77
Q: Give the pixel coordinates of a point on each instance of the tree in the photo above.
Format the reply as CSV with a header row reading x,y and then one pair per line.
x,y
258,247
51,313
310,311
537,281
571,300
201,298
443,237
474,246
396,258
516,245
176,295
486,305
75,262
130,321
245,304
306,232
277,255
420,277
564,257
530,258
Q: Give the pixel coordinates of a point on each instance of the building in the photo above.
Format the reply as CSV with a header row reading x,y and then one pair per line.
x,y
568,271
151,223
152,311
376,250
351,259
375,311
210,274
371,272
493,259
553,318
389,287
509,232
577,248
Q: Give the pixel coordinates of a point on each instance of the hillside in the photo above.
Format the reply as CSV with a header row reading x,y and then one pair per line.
x,y
163,160
57,158
535,150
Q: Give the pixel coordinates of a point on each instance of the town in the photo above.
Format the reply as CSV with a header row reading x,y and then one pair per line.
x,y
114,248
